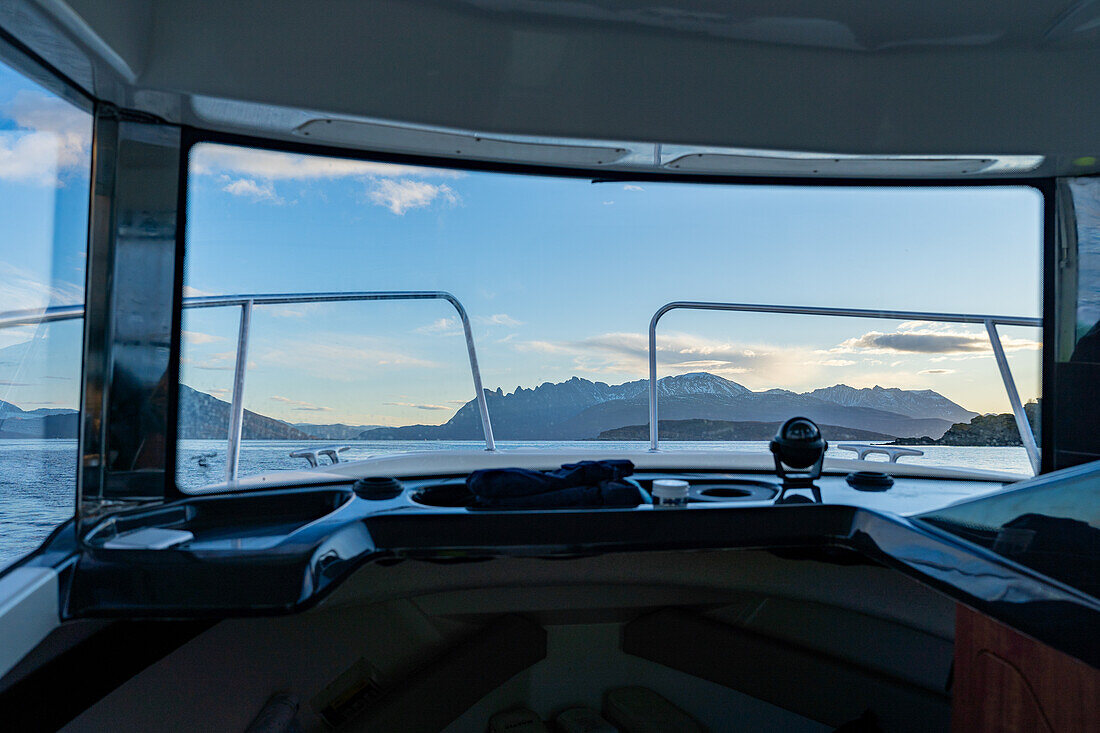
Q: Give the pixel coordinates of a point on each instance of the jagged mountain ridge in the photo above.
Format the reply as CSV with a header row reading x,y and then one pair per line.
x,y
913,403
580,409
571,410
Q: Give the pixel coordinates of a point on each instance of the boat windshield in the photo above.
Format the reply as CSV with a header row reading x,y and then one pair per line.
x,y
560,277
45,177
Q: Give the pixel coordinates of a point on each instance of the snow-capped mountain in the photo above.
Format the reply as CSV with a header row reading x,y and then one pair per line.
x,y
914,403
580,409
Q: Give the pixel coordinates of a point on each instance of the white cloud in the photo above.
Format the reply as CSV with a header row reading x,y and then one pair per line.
x,y
632,187
836,362
53,137
608,203
418,406
25,290
253,173
403,194
544,347
499,319
913,338
340,357
441,327
194,338
190,292
300,405
251,189
628,353
223,361
273,165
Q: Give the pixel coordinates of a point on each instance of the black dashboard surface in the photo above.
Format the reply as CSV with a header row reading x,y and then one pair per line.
x,y
282,550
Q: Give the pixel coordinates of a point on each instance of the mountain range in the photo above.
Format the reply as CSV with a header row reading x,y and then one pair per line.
x,y
579,409
44,422
576,409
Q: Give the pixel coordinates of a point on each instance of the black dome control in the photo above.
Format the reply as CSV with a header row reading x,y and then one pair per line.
x,y
869,481
377,488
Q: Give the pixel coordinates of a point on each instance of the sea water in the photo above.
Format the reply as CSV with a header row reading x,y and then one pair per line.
x,y
38,477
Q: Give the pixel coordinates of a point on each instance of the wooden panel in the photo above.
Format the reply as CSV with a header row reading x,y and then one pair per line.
x,y
1005,681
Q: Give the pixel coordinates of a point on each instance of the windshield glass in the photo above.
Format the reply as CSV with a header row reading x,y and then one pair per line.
x,y
45,171
560,277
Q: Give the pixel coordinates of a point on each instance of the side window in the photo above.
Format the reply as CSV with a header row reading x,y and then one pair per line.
x,y
45,164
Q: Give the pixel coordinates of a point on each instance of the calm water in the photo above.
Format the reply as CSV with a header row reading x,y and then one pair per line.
x,y
37,477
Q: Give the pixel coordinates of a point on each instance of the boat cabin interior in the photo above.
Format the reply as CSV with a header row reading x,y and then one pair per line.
x,y
500,585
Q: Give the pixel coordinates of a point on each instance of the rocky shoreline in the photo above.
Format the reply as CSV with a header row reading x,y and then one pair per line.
x,y
984,430
699,429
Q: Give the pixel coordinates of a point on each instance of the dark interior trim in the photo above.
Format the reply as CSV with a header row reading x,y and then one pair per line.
x,y
198,135
70,683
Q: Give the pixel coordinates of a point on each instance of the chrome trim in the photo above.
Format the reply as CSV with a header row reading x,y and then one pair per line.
x,y
312,455
246,303
862,450
1022,424
236,410
990,323
128,309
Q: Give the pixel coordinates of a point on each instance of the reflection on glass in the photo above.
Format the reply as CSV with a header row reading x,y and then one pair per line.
x,y
1086,206
1051,524
45,162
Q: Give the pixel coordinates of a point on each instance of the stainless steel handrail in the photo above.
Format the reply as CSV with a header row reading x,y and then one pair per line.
x,y
246,302
990,323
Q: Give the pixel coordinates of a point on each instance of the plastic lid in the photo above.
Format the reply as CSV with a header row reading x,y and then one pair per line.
x,y
666,488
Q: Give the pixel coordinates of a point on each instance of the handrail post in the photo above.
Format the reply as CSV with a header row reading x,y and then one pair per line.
x,y
68,312
236,410
1022,423
482,403
653,446
990,322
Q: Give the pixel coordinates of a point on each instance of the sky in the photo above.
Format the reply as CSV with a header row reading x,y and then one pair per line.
x,y
45,160
560,277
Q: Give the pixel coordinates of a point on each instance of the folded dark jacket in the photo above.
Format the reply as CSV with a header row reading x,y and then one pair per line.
x,y
609,493
588,483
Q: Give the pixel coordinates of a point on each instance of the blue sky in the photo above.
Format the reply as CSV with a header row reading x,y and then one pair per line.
x,y
561,276
44,171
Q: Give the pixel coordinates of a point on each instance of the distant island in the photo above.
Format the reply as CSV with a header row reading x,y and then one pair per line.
x,y
728,430
984,430
201,417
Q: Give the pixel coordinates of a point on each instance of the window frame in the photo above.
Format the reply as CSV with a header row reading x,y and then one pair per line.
x,y
192,136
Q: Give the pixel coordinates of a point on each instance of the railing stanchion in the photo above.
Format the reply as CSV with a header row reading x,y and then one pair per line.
x,y
653,438
482,403
990,322
236,410
51,314
1022,423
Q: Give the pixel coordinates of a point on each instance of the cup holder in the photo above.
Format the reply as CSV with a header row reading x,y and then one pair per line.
x,y
444,495
725,492
735,490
